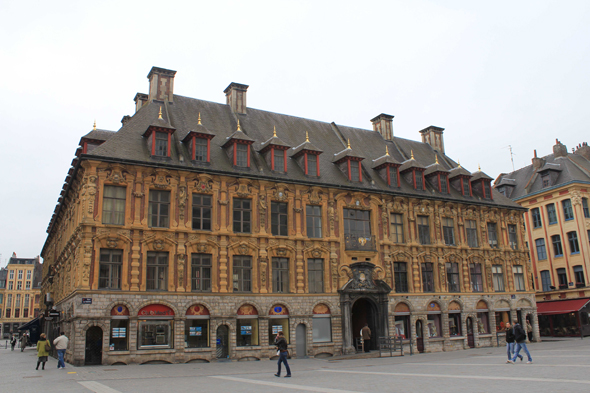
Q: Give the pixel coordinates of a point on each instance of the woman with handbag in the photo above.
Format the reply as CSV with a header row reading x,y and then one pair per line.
x,y
281,343
43,348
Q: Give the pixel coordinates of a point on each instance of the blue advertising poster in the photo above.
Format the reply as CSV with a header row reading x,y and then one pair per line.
x,y
246,330
195,331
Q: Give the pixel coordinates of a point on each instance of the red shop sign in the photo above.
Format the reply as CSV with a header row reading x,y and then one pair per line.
x,y
156,310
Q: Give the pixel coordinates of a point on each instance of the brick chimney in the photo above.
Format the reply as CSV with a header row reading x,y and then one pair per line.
x,y
583,150
537,162
235,97
434,137
140,100
383,124
161,84
559,149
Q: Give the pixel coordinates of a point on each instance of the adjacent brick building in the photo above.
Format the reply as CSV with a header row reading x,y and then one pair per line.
x,y
199,229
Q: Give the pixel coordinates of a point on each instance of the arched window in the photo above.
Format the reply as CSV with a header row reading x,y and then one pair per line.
x,y
455,319
402,321
279,322
483,320
119,337
155,327
322,324
434,323
196,327
247,326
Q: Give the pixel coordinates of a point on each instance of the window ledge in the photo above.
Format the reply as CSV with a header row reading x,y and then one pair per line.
x,y
436,339
248,347
118,353
203,349
483,335
457,338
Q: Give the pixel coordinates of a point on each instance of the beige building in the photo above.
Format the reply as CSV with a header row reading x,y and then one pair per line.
x,y
199,230
20,288
555,190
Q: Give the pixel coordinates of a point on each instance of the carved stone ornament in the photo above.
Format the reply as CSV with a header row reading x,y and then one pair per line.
x,y
158,244
282,252
182,198
316,253
203,184
243,249
181,259
112,242
138,194
576,198
116,174
315,196
280,193
203,248
244,189
161,179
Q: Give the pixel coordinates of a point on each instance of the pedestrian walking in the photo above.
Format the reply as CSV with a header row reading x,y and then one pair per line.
x,y
12,342
61,344
366,336
281,343
23,342
510,342
529,330
43,348
520,337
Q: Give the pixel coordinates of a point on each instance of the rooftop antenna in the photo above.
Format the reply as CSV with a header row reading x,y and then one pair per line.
x,y
511,156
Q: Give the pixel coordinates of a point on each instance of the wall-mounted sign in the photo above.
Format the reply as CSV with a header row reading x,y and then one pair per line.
x,y
86,300
156,310
246,330
276,329
195,331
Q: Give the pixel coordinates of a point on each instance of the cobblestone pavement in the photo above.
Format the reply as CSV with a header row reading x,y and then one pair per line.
x,y
560,365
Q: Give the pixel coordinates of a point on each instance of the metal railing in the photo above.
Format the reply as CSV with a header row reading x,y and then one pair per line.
x,y
391,344
359,243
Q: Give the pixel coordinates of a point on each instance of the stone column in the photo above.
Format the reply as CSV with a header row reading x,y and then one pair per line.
x,y
345,306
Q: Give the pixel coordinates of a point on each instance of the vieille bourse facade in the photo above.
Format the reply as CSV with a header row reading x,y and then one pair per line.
x,y
156,252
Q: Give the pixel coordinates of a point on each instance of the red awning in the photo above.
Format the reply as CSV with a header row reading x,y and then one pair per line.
x,y
561,307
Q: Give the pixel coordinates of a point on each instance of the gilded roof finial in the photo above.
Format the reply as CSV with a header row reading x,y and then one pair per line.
x,y
436,158
386,150
94,128
478,167
274,132
239,128
348,144
199,117
306,136
160,114
412,154
459,164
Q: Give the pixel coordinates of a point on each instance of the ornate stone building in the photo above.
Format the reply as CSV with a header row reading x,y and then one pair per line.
x,y
199,230
555,190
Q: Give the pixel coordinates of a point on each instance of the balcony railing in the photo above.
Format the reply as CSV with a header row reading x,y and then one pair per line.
x,y
359,242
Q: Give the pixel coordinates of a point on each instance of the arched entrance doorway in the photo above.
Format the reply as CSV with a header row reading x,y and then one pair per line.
x,y
364,299
470,338
364,312
93,355
419,336
222,345
301,341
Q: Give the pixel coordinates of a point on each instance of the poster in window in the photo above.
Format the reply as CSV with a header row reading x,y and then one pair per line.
x,y
195,331
115,332
276,329
246,330
122,332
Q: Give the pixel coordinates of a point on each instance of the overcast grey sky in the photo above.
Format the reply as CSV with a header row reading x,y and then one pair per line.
x,y
492,74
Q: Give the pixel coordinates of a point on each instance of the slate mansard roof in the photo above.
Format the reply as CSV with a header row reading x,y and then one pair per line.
x,y
181,114
564,168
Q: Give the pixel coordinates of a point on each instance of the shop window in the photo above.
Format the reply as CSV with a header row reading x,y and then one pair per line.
x,y
201,212
242,215
119,334
502,317
278,322
196,327
455,324
401,277
427,277
242,276
109,271
201,272
546,280
568,212
557,247
512,236
113,205
562,278
434,326
541,250
476,277
247,326
483,322
453,280
397,228
315,274
536,215
280,275
498,278
423,230
402,326
492,235
313,216
157,271
159,209
279,218
448,231
322,324
551,214
471,230
578,274
518,278
572,238
155,334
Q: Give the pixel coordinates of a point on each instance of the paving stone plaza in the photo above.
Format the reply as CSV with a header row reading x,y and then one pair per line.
x,y
557,366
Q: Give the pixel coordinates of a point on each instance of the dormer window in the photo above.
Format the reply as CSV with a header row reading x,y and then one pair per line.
x,y
160,148
418,180
444,188
354,171
279,160
201,149
546,179
274,151
312,165
349,163
199,143
388,168
306,156
481,185
242,155
392,178
466,186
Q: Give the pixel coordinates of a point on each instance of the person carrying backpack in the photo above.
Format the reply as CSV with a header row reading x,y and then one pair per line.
x,y
281,343
520,337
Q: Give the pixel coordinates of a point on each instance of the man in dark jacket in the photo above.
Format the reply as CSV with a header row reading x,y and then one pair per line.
x,y
281,343
520,337
510,342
